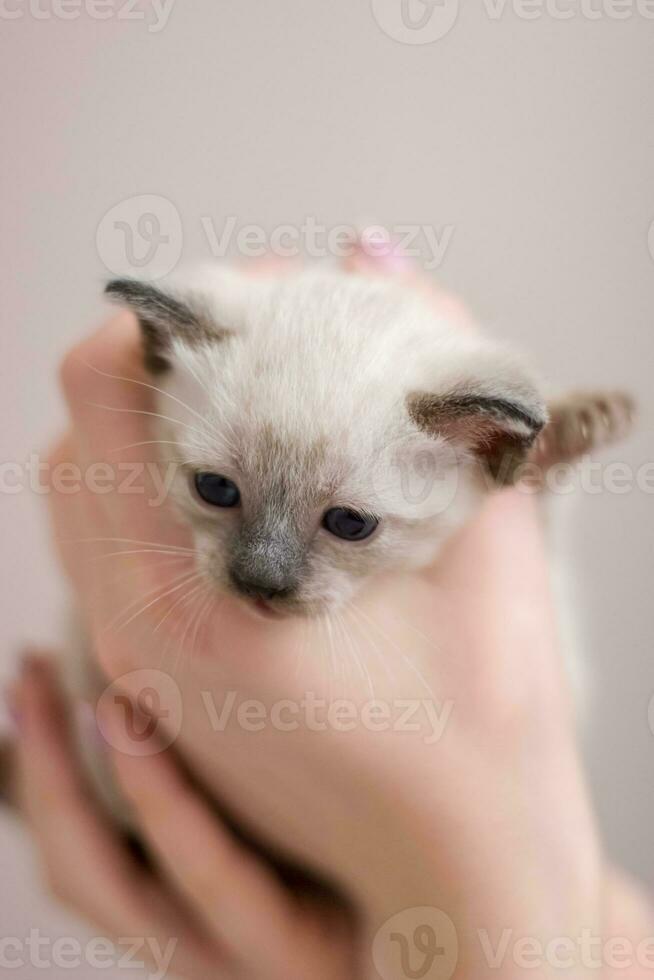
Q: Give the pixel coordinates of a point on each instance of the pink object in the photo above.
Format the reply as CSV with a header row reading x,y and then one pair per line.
x,y
376,254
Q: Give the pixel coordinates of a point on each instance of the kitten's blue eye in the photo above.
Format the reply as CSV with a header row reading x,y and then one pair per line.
x,y
348,524
217,490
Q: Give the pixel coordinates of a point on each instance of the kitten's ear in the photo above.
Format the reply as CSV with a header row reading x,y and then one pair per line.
x,y
495,412
162,317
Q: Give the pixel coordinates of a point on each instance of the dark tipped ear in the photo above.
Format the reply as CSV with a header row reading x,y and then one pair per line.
x,y
162,317
498,428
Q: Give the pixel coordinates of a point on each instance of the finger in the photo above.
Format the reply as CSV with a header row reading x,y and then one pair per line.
x,y
84,859
89,372
493,595
502,548
237,896
68,515
112,404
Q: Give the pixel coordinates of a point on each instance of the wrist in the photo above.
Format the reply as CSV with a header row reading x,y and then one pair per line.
x,y
488,920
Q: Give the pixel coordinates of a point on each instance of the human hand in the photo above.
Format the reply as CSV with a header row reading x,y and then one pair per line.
x,y
211,909
364,806
207,908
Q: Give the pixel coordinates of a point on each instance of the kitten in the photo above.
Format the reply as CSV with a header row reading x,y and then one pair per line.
x,y
333,426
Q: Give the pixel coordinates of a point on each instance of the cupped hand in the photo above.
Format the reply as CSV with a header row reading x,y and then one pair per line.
x,y
205,908
444,726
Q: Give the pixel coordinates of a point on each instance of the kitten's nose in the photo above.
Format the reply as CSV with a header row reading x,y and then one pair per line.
x,y
266,559
260,588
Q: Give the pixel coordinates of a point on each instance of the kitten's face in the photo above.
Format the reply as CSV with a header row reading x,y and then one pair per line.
x,y
296,521
314,452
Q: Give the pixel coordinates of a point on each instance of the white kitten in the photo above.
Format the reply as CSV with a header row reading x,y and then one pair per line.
x,y
330,426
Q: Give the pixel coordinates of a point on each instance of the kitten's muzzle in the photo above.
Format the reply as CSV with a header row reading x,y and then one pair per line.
x,y
268,589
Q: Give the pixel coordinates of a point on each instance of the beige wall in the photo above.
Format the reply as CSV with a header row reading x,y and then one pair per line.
x,y
532,139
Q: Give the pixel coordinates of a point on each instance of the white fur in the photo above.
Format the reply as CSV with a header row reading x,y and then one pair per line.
x,y
323,362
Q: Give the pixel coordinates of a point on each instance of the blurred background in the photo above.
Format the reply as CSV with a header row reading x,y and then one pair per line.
x,y
517,141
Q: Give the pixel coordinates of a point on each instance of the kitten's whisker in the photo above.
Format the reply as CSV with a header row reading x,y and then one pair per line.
x,y
136,569
145,384
195,600
145,442
359,658
402,654
347,648
142,551
147,544
332,653
201,612
172,608
189,577
300,644
184,598
405,622
134,602
367,635
202,617
321,642
187,367
156,415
